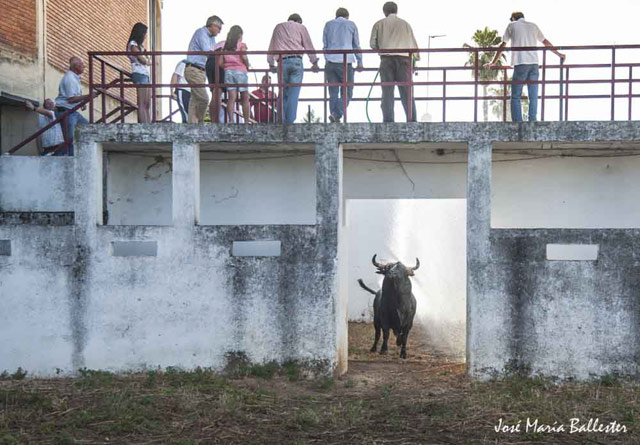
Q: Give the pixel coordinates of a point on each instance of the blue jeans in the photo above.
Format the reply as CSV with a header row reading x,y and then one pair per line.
x,y
524,73
292,72
73,119
334,74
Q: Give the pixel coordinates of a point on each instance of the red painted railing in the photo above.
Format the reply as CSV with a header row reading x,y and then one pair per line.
x,y
553,75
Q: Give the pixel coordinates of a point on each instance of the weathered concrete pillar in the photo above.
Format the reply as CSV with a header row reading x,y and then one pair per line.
x,y
186,183
328,213
88,214
487,314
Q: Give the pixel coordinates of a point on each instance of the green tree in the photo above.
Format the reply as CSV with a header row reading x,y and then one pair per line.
x,y
485,38
310,117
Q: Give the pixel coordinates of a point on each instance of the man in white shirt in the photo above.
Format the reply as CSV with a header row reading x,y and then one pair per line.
x,y
181,94
525,63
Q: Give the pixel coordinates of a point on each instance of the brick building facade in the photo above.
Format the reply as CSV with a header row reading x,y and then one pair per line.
x,y
19,27
100,25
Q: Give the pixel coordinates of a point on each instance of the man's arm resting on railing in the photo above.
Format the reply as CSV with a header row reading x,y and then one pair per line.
x,y
548,44
76,99
497,56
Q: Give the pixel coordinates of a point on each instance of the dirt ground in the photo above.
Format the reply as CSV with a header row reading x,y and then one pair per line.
x,y
425,399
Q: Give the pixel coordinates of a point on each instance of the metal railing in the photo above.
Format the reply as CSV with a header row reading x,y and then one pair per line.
x,y
452,85
125,107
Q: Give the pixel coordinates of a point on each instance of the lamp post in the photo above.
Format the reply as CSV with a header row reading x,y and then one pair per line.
x,y
426,117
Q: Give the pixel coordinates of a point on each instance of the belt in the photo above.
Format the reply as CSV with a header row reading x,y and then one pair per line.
x,y
291,57
194,65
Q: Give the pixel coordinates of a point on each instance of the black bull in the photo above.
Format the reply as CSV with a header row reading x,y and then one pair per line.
x,y
394,305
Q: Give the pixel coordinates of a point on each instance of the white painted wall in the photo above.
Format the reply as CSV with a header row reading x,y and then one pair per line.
x,y
566,193
39,184
243,190
253,191
139,189
34,289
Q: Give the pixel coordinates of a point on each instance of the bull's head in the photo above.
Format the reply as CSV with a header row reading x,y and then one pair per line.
x,y
396,269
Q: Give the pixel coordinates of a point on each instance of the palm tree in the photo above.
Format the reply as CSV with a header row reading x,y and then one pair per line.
x,y
485,38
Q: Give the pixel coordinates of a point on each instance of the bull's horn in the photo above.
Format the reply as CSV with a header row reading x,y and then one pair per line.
x,y
373,260
417,266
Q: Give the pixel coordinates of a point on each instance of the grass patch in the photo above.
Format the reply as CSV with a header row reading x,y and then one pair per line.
x,y
381,400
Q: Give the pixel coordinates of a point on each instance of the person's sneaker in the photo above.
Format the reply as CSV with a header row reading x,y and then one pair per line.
x,y
334,119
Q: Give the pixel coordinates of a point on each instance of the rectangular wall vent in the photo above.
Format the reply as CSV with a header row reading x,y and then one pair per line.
x,y
572,252
5,247
256,248
134,248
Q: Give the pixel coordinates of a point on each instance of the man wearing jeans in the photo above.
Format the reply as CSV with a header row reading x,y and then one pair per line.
x,y
525,63
291,36
394,33
340,33
69,94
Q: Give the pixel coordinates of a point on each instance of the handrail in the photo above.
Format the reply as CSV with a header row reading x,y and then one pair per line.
x,y
50,125
59,120
452,85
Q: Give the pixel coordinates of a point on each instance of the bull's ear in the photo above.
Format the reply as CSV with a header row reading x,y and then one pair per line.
x,y
410,272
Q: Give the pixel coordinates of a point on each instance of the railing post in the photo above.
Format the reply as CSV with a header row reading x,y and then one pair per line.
x,y
561,92
613,83
343,91
91,88
325,96
410,116
475,85
566,101
281,86
444,96
544,82
153,87
630,91
504,94
122,97
103,81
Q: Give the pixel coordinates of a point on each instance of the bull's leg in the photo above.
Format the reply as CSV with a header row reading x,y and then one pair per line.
x,y
405,335
375,342
385,339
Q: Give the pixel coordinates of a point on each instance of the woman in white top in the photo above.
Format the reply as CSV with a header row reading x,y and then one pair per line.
x,y
52,140
140,70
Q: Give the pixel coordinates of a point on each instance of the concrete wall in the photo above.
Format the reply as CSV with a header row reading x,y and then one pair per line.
x,y
35,184
523,311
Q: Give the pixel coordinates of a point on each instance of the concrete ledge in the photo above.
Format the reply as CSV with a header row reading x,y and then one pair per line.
x,y
354,133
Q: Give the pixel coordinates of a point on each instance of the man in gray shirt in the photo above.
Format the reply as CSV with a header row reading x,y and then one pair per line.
x,y
340,33
69,94
204,39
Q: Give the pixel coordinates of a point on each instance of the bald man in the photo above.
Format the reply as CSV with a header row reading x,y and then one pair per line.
x,y
69,94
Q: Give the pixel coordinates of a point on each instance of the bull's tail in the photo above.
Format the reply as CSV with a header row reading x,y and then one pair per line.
x,y
364,286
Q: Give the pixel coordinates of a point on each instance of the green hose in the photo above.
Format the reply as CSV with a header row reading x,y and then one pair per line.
x,y
369,95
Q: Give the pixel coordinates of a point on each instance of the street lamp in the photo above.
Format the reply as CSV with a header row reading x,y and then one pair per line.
x,y
426,117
